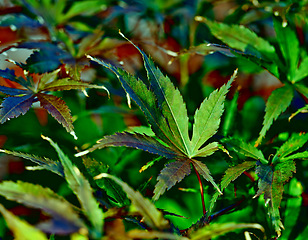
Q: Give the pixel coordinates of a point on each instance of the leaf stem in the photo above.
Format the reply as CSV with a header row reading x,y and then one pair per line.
x,y
201,190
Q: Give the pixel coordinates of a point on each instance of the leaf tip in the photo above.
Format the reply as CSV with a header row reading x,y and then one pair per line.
x,y
82,153
102,175
74,135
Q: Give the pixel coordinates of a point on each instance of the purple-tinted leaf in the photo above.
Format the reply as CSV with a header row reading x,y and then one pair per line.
x,y
14,106
8,74
58,226
265,174
133,140
58,109
42,61
205,173
171,174
13,91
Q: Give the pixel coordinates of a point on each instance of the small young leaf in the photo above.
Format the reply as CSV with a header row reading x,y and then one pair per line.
x,y
44,163
58,109
204,172
245,149
36,196
81,187
14,106
13,91
147,209
171,174
207,117
276,104
134,140
301,72
294,143
20,228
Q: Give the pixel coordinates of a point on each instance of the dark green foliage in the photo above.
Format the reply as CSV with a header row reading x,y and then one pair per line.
x,y
180,106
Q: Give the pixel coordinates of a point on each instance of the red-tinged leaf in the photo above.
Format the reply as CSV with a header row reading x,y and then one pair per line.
x,y
171,174
276,104
14,106
133,140
58,109
205,173
283,172
291,145
13,91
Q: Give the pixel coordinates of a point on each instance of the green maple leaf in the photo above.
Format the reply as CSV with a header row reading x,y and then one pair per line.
x,y
165,110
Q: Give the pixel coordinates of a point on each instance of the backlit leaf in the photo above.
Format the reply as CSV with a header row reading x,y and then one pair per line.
x,y
207,117
204,172
171,103
12,107
146,208
58,109
230,175
171,174
81,187
20,228
134,140
295,142
43,162
146,100
43,198
276,104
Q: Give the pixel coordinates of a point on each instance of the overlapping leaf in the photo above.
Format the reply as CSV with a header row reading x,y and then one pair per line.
x,y
81,187
276,104
20,228
152,216
44,163
36,196
171,174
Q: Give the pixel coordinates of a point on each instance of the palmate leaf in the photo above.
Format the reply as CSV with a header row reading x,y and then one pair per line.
x,y
276,104
58,109
146,100
291,145
43,162
230,175
207,117
20,228
38,197
171,174
152,217
12,107
82,189
133,140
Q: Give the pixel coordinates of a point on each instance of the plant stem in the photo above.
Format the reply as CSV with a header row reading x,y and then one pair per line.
x,y
201,190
